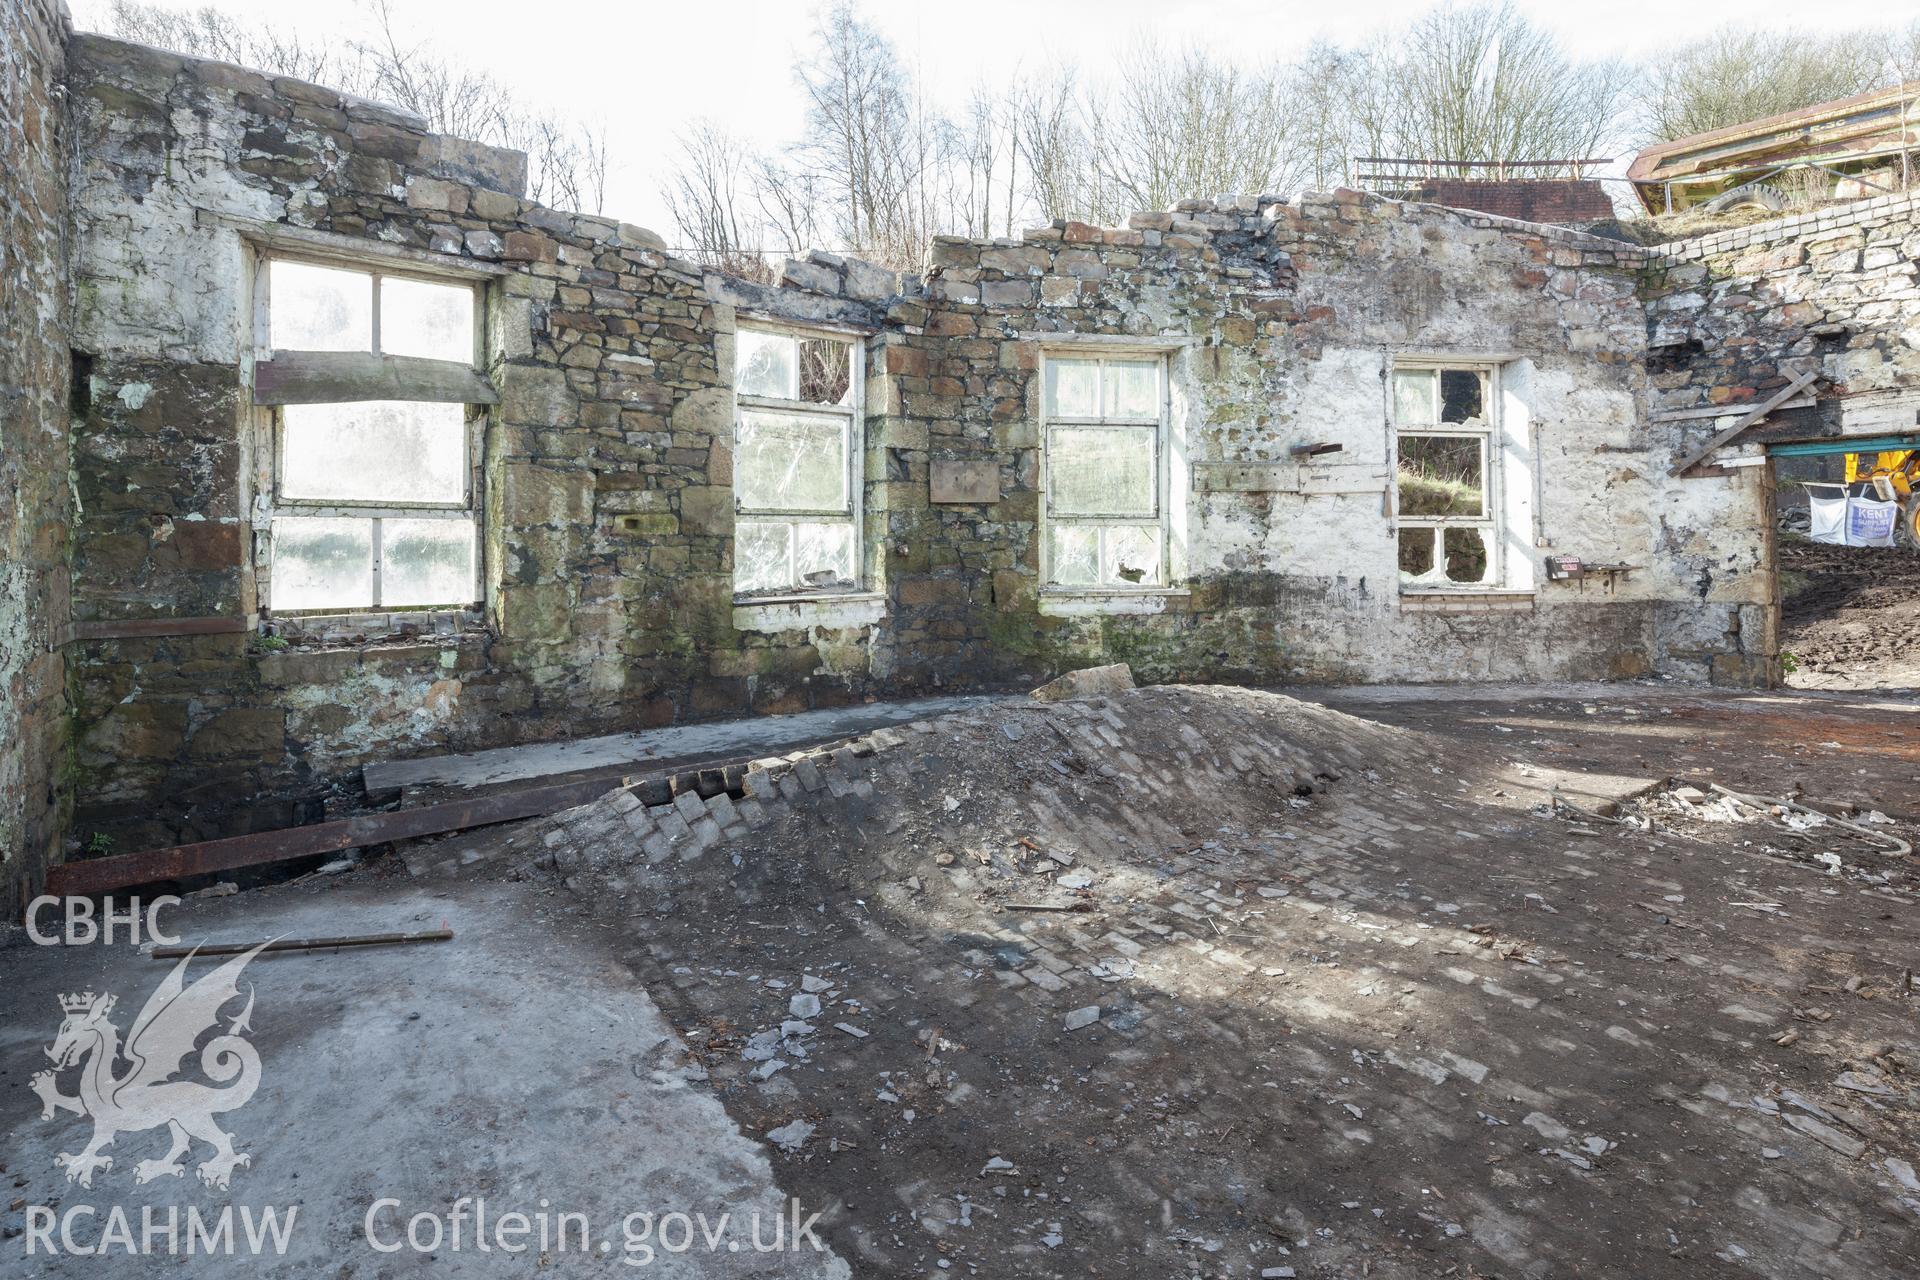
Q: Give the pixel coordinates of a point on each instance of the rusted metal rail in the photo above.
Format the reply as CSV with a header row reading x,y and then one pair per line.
x,y
122,871
305,944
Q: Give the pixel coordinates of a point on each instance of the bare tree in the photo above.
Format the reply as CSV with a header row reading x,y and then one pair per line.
x,y
790,200
867,140
1741,73
1182,124
1321,99
1482,83
712,191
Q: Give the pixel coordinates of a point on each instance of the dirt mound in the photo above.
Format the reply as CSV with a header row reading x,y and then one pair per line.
x,y
1850,616
1009,795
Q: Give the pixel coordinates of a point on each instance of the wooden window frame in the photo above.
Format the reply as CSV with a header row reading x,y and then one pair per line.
x,y
1490,522
1049,519
280,378
852,418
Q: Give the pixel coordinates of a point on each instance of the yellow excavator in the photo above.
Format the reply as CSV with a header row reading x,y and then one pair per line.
x,y
1895,477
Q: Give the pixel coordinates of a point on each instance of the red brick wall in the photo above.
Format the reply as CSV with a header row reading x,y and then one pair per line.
x,y
1552,200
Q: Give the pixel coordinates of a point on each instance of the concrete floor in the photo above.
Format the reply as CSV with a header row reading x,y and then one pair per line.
x,y
518,1063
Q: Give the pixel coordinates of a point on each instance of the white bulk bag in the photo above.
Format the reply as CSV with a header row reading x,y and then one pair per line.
x,y
1829,516
1870,522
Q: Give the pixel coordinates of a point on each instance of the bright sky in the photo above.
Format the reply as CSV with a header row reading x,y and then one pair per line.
x,y
646,67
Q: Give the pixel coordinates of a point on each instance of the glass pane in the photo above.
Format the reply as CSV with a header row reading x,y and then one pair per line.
x,y
426,562
1466,555
826,371
1076,555
433,321
1073,388
823,554
322,564
374,451
1442,476
1101,471
790,462
1462,395
1413,397
1132,556
318,308
1416,553
1133,389
760,556
763,364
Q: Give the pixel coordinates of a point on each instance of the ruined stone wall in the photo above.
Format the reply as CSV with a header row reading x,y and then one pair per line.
x,y
608,464
612,408
1286,319
34,502
1734,315
1732,318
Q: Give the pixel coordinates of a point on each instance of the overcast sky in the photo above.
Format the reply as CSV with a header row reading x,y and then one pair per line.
x,y
645,68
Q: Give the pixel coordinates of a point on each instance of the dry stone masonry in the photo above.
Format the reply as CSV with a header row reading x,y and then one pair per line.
x,y
148,190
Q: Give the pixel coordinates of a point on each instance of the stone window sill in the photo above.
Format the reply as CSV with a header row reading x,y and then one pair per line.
x,y
344,630
1480,600
1058,603
790,613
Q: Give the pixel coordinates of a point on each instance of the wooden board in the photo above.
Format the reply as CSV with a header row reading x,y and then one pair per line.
x,y
1747,419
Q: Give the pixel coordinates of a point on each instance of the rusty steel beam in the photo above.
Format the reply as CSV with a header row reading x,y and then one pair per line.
x,y
123,871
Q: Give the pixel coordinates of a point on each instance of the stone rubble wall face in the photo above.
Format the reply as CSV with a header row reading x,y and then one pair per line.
x,y
1835,292
35,508
613,361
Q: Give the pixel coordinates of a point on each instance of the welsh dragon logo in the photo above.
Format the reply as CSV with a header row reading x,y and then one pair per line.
x,y
144,1095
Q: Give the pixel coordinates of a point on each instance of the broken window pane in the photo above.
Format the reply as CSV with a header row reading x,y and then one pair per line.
x,y
1101,471
1442,475
1132,557
1417,553
1413,398
763,364
1073,388
322,563
426,562
432,321
313,308
823,555
1467,556
1132,389
762,559
791,462
1462,396
826,371
393,451
1075,561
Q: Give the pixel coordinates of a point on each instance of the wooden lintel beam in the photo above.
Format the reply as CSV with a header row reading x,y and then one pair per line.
x,y
1746,420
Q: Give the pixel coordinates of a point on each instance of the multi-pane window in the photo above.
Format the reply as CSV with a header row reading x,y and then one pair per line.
x,y
1447,512
1105,440
796,463
372,498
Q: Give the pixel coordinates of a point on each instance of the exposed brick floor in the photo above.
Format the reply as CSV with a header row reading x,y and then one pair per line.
x,y
1407,1024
